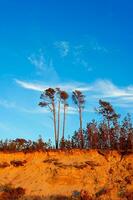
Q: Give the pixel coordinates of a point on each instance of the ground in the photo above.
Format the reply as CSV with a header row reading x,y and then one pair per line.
x,y
105,175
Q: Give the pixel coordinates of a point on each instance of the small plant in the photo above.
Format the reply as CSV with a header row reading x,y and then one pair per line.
x,y
10,193
4,165
102,191
50,160
128,179
18,163
85,196
111,171
76,195
122,192
129,195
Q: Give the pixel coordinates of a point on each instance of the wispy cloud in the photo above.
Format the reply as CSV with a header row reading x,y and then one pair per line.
x,y
14,105
37,110
30,86
107,89
100,89
70,110
119,96
94,45
38,61
80,52
44,65
34,110
63,47
64,86
78,55
104,88
82,62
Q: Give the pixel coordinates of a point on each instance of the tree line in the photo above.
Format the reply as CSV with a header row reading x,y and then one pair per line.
x,y
108,133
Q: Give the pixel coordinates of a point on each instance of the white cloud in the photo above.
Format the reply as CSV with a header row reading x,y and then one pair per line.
x,y
64,86
100,89
80,53
14,105
38,61
63,47
103,88
70,110
107,89
78,61
35,110
30,86
118,96
89,45
97,47
44,66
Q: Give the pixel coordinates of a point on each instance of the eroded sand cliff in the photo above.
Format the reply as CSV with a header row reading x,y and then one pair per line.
x,y
105,175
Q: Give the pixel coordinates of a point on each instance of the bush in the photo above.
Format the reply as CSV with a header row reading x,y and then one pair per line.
x,y
10,193
4,165
17,163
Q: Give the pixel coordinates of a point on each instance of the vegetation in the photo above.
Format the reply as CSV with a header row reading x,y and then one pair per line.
x,y
79,100
8,192
48,100
109,133
11,193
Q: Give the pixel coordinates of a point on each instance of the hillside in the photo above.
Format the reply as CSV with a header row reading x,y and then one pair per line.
x,y
99,174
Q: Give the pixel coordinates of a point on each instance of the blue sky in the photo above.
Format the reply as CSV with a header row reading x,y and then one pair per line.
x,y
72,44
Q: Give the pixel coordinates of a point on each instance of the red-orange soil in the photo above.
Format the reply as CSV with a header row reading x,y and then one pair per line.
x,y
104,175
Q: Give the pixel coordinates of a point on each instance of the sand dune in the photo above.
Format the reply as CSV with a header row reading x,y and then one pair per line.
x,y
105,175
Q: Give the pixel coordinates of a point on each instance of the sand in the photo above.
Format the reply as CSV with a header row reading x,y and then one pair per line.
x,y
104,174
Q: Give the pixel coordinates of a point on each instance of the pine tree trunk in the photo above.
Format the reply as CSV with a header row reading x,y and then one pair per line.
x,y
81,131
54,120
108,122
58,128
64,120
80,118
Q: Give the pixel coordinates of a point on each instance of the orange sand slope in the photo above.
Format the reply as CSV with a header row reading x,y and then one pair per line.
x,y
60,172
